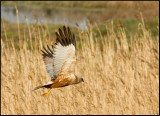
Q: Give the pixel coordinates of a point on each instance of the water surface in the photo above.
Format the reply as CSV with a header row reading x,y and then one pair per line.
x,y
68,16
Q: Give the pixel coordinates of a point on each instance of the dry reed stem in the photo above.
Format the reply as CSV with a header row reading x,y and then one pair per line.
x,y
123,78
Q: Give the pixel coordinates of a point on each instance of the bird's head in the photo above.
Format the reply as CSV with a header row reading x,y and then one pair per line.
x,y
79,79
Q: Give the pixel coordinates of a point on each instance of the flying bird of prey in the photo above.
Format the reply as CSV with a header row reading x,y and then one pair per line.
x,y
60,61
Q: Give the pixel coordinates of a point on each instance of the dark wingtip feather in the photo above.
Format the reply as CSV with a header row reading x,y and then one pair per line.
x,y
48,53
65,37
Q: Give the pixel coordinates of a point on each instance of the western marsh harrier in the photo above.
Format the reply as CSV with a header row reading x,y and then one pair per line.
x,y
60,61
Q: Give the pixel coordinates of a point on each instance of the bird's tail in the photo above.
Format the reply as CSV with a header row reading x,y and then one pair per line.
x,y
48,85
38,87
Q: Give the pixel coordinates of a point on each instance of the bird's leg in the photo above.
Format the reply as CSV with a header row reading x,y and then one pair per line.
x,y
46,94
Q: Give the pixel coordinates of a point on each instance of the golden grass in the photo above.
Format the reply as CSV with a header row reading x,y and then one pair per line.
x,y
120,77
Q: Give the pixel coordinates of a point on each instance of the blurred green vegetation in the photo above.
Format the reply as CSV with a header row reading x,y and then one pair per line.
x,y
47,31
130,26
65,4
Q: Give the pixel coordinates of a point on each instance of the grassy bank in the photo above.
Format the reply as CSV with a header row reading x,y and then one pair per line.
x,y
112,9
85,4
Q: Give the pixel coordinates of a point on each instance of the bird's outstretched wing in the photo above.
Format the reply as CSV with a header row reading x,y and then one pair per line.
x,y
61,58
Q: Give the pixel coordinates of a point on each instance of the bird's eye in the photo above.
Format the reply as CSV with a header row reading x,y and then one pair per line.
x,y
82,80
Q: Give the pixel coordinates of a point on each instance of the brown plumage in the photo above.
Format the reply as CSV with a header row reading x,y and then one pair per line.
x,y
60,61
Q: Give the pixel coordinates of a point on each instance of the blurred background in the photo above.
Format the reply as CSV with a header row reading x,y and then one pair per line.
x,y
81,13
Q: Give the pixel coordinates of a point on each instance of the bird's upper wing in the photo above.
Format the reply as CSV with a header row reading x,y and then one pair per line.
x,y
61,58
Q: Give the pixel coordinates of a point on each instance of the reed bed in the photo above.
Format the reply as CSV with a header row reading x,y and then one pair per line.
x,y
121,73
